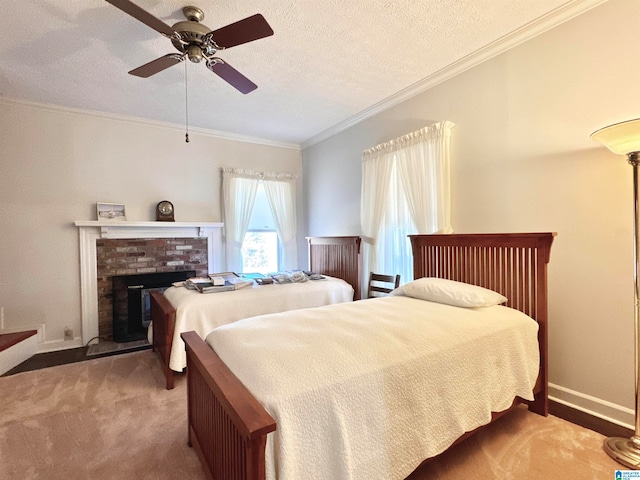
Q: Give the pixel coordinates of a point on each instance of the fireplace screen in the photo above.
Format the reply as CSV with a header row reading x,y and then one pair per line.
x,y
131,301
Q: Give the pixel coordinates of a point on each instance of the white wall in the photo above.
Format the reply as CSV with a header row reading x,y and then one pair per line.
x,y
522,160
56,164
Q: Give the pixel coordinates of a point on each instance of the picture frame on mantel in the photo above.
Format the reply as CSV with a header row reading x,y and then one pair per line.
x,y
110,211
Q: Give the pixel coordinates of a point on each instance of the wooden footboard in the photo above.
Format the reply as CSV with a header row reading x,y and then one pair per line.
x,y
227,426
163,318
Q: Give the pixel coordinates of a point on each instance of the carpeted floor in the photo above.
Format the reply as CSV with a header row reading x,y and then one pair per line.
x,y
111,418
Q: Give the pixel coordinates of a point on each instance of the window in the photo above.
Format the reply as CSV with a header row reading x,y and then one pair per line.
x,y
394,247
260,252
260,246
405,189
272,209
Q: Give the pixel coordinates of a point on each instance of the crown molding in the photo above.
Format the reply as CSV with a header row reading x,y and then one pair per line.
x,y
546,22
142,121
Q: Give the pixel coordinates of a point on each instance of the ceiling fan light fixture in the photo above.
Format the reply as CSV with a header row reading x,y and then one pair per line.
x,y
194,52
195,41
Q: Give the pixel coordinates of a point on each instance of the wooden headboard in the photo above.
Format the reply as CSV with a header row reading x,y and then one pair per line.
x,y
337,257
513,264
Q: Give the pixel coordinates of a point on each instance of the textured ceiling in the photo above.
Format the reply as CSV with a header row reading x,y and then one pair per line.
x,y
328,61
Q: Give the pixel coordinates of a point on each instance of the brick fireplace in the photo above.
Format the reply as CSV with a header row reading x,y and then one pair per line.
x,y
120,248
117,257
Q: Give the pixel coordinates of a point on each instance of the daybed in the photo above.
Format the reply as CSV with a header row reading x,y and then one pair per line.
x,y
324,429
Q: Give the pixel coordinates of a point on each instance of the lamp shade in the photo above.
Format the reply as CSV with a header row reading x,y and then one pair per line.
x,y
621,138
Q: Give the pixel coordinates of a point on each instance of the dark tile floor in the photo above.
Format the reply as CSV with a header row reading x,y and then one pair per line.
x,y
72,355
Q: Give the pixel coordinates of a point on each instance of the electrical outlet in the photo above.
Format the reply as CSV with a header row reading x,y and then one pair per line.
x,y
68,333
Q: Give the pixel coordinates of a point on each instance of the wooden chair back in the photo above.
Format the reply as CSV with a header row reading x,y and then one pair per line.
x,y
381,285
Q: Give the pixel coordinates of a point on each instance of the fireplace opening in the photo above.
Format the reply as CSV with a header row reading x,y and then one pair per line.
x,y
131,301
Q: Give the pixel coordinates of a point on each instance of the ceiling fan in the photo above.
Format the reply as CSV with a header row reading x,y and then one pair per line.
x,y
198,42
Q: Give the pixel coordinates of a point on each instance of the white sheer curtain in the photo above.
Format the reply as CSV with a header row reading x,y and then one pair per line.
x,y
424,166
281,194
238,198
405,190
376,171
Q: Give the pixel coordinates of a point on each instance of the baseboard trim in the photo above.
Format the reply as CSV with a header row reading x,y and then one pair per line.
x,y
57,345
587,420
592,406
44,346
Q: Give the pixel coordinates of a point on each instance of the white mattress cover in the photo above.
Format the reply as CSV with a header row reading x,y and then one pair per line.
x,y
369,389
202,312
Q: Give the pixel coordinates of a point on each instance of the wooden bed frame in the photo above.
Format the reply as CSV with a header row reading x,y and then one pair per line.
x,y
228,427
334,256
163,318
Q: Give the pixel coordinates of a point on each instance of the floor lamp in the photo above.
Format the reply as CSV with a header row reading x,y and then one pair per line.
x,y
624,139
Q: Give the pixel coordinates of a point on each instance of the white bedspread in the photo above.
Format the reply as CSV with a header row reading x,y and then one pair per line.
x,y
202,312
367,390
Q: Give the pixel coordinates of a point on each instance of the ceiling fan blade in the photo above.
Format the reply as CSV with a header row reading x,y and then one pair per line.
x,y
142,15
232,76
157,65
243,31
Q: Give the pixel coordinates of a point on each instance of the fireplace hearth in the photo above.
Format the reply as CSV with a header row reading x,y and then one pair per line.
x,y
131,304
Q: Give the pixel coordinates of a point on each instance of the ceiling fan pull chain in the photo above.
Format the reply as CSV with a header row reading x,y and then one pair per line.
x,y
186,102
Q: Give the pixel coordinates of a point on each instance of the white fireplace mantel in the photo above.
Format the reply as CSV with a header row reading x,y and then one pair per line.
x,y
93,230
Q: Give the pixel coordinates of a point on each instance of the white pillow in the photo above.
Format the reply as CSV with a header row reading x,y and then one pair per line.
x,y
450,292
